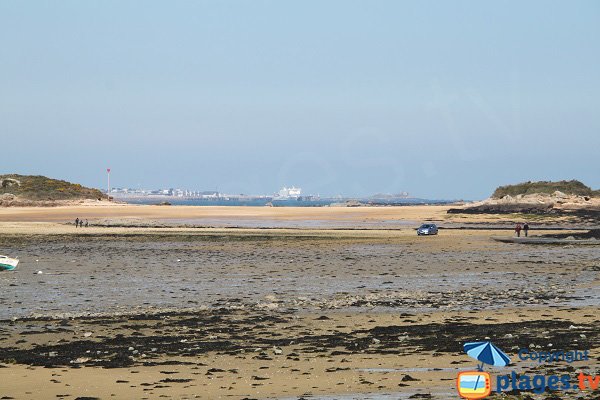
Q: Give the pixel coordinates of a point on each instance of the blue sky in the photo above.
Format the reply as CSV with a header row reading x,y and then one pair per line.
x,y
442,99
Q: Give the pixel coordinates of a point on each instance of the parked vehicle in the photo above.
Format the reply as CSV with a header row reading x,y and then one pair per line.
x,y
427,229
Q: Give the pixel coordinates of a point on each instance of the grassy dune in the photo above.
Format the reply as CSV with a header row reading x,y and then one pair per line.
x,y
43,188
574,187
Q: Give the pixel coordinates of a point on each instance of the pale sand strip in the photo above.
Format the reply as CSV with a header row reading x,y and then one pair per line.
x,y
69,213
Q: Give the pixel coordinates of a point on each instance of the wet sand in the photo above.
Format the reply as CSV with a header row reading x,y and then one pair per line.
x,y
146,310
110,271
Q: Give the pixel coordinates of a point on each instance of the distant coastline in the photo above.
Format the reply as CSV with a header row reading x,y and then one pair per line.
x,y
266,201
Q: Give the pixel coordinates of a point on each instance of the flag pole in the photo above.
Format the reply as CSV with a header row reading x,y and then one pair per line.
x,y
108,183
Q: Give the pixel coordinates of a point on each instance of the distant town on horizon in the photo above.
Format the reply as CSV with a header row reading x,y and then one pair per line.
x,y
285,193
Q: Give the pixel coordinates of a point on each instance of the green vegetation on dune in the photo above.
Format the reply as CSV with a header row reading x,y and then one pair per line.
x,y
545,187
43,188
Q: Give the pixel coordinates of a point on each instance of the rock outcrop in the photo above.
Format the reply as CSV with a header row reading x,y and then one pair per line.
x,y
585,207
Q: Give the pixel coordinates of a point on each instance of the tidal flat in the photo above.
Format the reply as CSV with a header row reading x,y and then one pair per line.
x,y
117,312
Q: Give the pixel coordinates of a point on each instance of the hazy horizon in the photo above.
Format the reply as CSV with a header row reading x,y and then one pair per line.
x,y
439,99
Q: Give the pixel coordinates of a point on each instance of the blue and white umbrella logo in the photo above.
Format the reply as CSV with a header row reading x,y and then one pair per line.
x,y
487,353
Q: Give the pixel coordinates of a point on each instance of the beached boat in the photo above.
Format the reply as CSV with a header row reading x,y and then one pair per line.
x,y
7,263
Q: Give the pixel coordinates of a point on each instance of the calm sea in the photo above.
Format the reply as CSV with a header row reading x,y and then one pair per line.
x,y
276,203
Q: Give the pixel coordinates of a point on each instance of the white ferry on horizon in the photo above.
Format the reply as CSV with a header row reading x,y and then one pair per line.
x,y
289,193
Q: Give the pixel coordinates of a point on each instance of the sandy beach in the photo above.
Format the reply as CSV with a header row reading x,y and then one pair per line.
x,y
280,303
104,209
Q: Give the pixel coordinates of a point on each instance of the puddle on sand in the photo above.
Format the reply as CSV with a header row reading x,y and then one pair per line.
x,y
442,394
412,369
293,223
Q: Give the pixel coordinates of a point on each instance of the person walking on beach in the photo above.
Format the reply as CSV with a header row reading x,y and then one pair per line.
x,y
76,222
526,228
518,230
87,224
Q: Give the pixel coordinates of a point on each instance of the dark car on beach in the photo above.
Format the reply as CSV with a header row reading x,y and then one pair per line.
x,y
427,229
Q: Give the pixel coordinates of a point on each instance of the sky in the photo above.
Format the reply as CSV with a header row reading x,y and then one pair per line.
x,y
443,99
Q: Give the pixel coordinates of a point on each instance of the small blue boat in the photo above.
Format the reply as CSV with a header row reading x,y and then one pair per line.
x,y
7,263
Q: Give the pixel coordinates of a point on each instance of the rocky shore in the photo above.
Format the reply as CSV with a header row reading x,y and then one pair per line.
x,y
572,209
